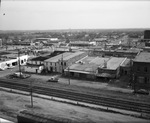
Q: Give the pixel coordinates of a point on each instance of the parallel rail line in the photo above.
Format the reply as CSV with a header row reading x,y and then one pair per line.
x,y
78,96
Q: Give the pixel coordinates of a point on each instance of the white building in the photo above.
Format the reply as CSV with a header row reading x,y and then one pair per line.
x,y
33,68
10,63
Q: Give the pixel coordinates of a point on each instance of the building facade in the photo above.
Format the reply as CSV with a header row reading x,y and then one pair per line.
x,y
60,62
141,71
10,63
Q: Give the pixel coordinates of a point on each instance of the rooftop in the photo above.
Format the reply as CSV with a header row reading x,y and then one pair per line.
x,y
65,56
143,57
58,57
72,55
88,64
126,63
114,63
42,58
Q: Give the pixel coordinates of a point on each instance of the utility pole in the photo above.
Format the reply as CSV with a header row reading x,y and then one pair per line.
x,y
62,63
19,62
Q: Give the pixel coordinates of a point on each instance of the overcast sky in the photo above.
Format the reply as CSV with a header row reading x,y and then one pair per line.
x,y
81,14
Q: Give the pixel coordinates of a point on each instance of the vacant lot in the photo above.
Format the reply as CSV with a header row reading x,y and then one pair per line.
x,y
10,104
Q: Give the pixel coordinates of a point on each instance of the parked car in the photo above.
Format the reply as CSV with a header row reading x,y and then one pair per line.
x,y
53,79
19,75
141,91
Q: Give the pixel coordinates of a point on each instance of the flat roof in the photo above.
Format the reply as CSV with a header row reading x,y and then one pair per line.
x,y
143,57
72,55
90,64
44,57
58,57
114,62
40,58
65,56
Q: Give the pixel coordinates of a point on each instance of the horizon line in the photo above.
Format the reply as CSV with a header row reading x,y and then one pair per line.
x,y
73,29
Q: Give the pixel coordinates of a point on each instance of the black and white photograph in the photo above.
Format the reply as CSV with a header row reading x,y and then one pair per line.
x,y
74,61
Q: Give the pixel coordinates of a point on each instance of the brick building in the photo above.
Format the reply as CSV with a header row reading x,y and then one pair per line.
x,y
141,71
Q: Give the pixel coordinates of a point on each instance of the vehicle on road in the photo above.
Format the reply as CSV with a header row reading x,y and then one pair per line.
x,y
53,79
19,75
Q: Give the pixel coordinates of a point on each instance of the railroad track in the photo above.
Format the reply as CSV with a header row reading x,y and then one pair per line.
x,y
77,96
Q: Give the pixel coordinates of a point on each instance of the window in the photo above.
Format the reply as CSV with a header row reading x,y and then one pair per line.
x,y
138,68
141,79
146,80
61,63
21,61
145,69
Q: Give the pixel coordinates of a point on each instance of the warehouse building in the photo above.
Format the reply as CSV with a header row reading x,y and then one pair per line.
x,y
60,62
111,68
96,68
36,64
85,68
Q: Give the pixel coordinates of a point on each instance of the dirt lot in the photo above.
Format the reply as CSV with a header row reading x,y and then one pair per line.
x,y
89,87
10,104
92,87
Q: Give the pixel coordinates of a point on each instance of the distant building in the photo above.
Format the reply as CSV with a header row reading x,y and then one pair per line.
x,y
146,37
141,71
101,41
80,44
130,53
147,34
